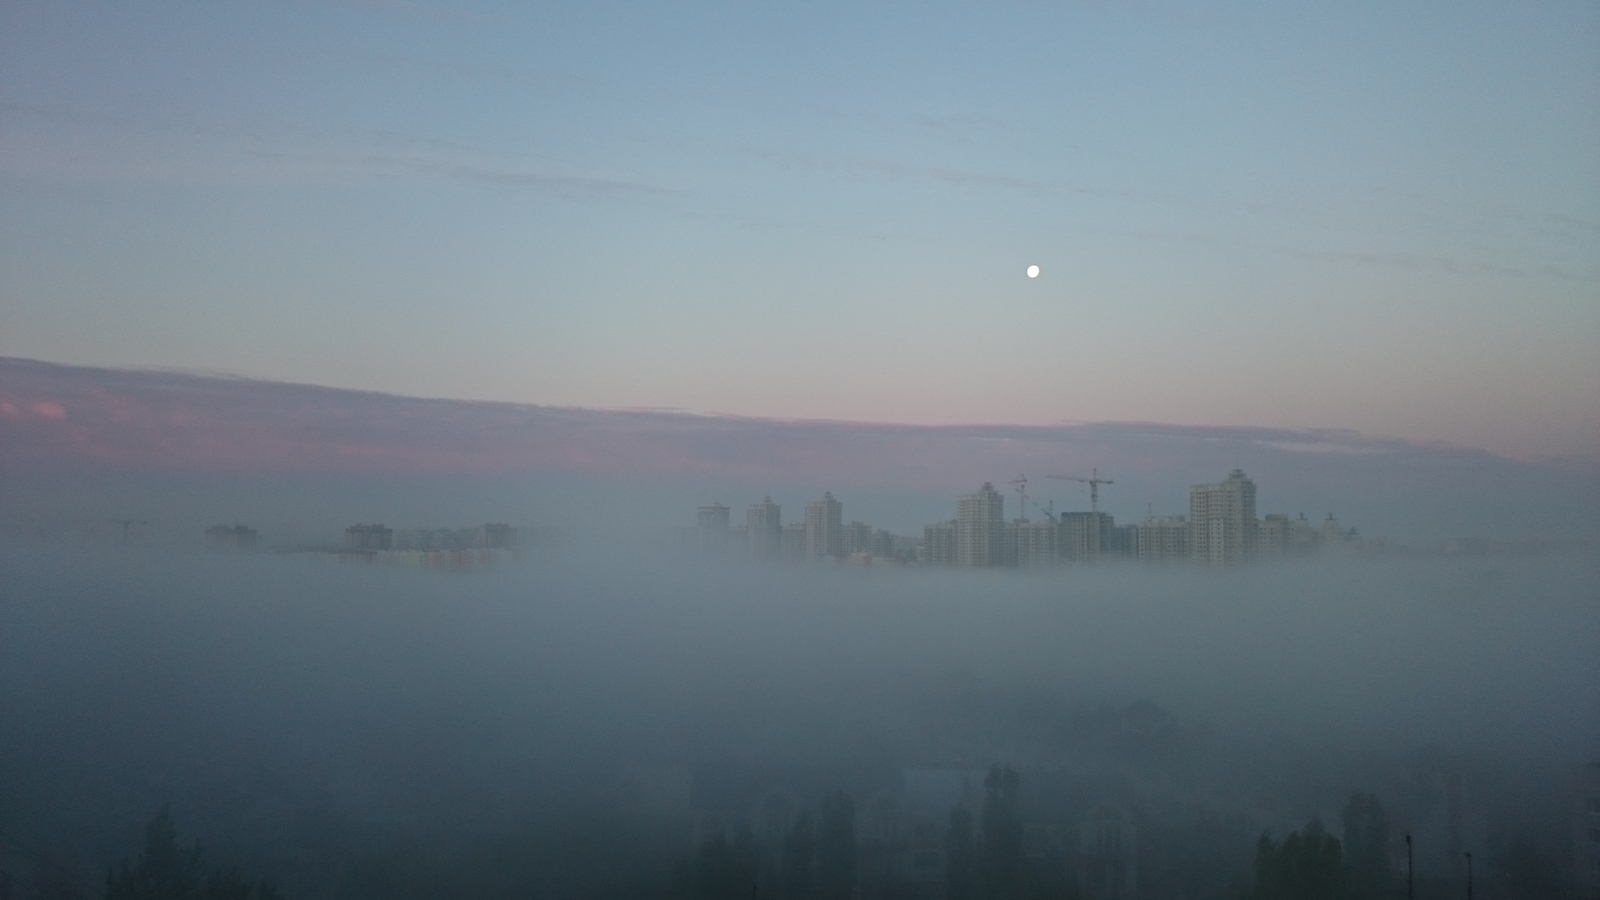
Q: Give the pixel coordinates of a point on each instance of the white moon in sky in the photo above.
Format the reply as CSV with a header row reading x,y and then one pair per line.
x,y
1033,271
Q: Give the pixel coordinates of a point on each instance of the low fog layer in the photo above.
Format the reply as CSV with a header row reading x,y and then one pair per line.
x,y
302,717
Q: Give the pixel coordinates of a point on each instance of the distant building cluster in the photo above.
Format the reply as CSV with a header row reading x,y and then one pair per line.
x,y
231,537
820,534
492,536
1221,530
438,548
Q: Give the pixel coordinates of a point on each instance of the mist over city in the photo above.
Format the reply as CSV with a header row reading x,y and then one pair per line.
x,y
557,670
708,451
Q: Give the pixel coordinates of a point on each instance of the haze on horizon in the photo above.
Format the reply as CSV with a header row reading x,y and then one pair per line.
x,y
1371,217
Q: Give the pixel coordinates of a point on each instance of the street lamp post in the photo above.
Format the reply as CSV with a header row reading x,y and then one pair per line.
x,y
1408,866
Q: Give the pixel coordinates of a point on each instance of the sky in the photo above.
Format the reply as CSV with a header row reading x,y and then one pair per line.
x,y
1362,216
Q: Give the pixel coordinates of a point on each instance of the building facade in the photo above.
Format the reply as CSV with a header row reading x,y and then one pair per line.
x,y
980,529
763,524
1222,521
1082,536
1033,543
1163,539
824,526
939,544
711,528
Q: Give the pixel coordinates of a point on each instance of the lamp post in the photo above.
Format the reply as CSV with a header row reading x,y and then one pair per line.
x,y
1469,875
1408,866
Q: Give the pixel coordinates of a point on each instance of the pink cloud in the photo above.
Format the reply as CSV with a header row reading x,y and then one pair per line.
x,y
185,422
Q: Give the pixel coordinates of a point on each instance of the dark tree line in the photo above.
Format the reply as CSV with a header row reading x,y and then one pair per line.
x,y
817,862
988,862
168,870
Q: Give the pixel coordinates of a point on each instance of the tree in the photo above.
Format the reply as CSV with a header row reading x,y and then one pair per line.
x,y
1308,865
796,872
959,855
167,870
1524,871
1366,846
1000,861
836,847
722,869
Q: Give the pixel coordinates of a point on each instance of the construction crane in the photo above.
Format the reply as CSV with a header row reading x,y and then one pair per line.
x,y
1094,482
1049,511
1021,481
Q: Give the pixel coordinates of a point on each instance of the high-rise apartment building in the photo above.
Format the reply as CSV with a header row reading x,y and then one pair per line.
x,y
824,527
368,537
1222,520
1121,540
981,528
711,527
1163,539
764,528
1082,536
858,538
939,544
793,541
1033,543
1272,536
1301,537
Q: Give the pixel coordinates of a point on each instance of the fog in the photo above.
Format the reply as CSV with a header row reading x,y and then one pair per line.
x,y
355,730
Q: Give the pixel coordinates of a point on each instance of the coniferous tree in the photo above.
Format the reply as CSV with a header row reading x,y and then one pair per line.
x,y
960,853
167,870
723,869
1308,865
797,868
1000,861
836,848
1366,846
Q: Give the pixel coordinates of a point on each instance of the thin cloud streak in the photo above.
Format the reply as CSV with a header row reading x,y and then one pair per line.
x,y
450,161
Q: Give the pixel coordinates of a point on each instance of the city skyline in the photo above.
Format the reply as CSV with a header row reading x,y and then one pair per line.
x,y
1220,531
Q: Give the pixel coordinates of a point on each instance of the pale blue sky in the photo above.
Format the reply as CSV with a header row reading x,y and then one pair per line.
x,y
1375,216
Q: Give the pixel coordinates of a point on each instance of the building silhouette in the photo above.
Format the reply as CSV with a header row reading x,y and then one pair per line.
x,y
231,537
368,537
1163,539
939,544
1033,543
824,527
764,529
1109,854
980,529
711,528
1083,536
1222,521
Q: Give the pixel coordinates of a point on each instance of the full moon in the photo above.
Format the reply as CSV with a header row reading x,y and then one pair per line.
x,y
1033,271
